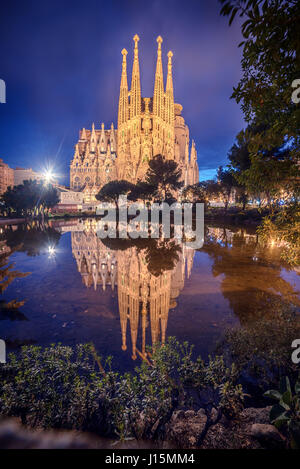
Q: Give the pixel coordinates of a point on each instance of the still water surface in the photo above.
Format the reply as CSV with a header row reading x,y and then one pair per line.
x,y
123,297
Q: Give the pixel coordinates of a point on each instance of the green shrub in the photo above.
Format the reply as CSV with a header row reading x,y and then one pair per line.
x,y
62,387
286,413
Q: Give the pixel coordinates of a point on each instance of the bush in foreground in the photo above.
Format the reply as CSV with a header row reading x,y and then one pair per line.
x,y
61,387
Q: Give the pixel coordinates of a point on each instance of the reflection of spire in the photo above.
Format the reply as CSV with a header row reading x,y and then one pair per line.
x,y
103,273
140,293
123,309
190,261
95,273
113,271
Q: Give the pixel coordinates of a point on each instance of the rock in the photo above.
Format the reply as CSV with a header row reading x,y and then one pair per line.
x,y
155,426
266,433
214,414
189,414
178,414
201,412
256,415
236,433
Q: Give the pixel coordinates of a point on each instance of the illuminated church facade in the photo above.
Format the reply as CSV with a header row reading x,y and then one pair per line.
x,y
146,127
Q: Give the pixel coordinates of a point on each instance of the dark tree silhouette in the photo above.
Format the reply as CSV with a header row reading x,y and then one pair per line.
x,y
164,175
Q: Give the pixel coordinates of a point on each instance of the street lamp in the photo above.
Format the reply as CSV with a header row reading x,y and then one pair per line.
x,y
48,176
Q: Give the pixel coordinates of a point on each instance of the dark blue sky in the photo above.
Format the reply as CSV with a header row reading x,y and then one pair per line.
x,y
61,61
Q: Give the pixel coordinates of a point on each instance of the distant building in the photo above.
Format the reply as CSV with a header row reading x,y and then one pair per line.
x,y
6,177
21,175
69,201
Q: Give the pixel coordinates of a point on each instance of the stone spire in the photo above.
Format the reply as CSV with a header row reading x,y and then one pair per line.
x,y
193,152
76,160
194,165
93,138
123,99
135,92
170,115
83,134
158,96
102,139
113,139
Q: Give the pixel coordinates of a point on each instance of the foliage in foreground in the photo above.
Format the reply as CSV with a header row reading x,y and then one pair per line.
x,y
61,387
262,351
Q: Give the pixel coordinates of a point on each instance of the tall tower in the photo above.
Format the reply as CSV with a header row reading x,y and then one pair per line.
x,y
158,103
123,99
169,111
135,91
135,116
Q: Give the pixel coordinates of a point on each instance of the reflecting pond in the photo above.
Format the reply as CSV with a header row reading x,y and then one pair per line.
x,y
123,295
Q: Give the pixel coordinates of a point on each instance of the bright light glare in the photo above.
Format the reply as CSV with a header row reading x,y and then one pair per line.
x,y
48,175
51,251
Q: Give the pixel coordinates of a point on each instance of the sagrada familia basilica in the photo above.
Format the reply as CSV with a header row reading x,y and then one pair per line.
x,y
146,127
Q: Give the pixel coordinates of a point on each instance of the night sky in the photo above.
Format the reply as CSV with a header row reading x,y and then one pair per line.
x,y
61,61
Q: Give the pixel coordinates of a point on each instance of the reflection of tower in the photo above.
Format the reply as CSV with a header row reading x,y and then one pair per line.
x,y
96,263
142,296
141,293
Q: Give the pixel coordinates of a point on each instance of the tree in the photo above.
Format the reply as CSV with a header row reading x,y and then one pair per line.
x,y
271,64
111,191
30,198
211,189
271,178
49,198
240,160
239,154
142,191
226,182
164,175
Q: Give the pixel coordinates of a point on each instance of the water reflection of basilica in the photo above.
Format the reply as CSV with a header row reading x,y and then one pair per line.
x,y
144,298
